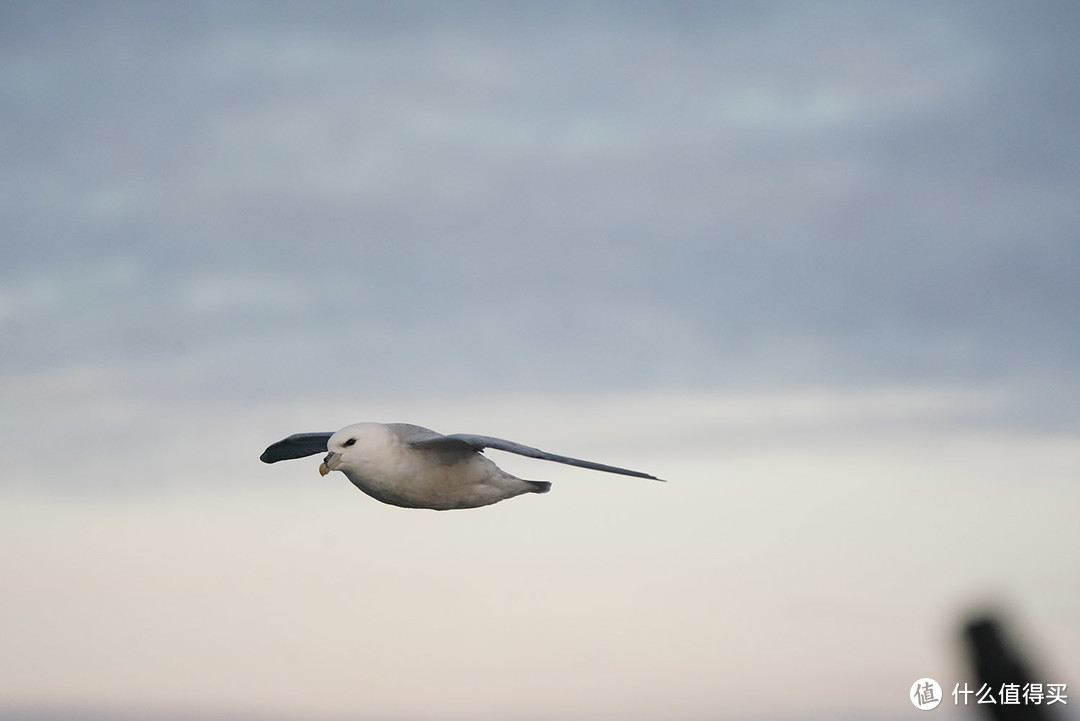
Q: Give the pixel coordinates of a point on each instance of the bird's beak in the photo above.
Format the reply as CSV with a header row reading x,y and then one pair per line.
x,y
330,463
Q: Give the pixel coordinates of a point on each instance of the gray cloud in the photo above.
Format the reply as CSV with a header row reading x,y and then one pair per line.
x,y
639,195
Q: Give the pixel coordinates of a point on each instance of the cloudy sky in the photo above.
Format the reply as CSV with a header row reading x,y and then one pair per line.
x,y
816,263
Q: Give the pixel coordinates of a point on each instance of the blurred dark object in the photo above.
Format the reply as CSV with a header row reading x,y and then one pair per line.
x,y
995,664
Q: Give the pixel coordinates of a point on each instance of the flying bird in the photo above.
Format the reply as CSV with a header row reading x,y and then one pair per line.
x,y
413,467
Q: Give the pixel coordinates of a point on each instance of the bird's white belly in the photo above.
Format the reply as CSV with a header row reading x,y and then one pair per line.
x,y
411,480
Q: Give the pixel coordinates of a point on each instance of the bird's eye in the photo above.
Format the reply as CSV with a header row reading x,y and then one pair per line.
x,y
350,442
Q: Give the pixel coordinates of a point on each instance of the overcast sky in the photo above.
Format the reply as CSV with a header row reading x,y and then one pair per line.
x,y
575,195
841,235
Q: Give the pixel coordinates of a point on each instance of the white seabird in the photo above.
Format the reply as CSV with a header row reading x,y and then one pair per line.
x,y
413,467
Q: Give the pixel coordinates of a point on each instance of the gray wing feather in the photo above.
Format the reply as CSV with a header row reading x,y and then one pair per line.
x,y
408,433
469,443
297,445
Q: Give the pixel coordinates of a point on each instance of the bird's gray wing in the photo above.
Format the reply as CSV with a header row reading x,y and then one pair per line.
x,y
469,443
408,434
297,445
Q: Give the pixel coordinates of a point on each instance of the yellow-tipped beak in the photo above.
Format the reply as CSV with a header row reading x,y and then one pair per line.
x,y
330,463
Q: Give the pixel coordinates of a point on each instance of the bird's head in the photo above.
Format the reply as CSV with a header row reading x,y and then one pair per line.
x,y
349,445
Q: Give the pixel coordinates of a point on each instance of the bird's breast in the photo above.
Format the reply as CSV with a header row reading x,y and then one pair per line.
x,y
415,479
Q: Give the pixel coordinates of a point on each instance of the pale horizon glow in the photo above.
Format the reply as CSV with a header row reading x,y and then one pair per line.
x,y
274,591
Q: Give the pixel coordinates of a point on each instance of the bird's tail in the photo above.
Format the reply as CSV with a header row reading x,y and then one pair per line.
x,y
540,486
